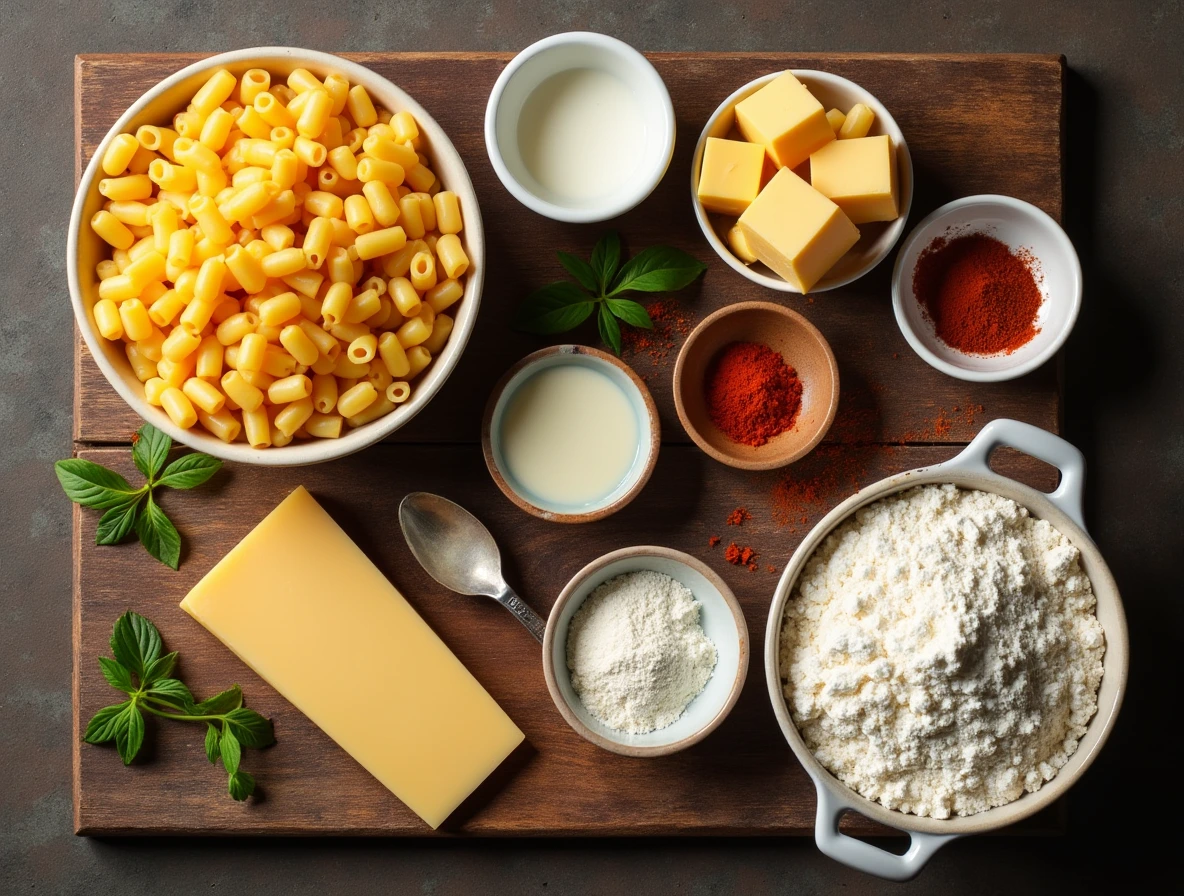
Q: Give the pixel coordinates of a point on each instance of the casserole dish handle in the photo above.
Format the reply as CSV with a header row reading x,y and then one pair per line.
x,y
863,856
1042,445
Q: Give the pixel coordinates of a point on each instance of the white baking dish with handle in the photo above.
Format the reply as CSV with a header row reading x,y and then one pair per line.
x,y
1063,509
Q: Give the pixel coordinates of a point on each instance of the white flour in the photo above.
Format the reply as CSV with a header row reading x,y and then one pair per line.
x,y
942,652
637,653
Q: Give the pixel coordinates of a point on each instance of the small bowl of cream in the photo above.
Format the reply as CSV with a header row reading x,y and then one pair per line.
x,y
580,127
570,434
626,615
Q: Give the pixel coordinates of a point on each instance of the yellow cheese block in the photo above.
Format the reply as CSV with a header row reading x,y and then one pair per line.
x,y
730,176
299,603
796,231
859,175
786,118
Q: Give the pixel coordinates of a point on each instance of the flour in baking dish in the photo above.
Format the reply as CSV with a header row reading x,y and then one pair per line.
x,y
942,651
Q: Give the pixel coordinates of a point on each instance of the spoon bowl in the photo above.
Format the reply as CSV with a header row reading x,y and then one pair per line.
x,y
456,550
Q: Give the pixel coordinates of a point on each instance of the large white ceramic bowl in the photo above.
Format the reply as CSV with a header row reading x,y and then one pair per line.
x,y
157,106
565,52
876,239
1063,509
1020,225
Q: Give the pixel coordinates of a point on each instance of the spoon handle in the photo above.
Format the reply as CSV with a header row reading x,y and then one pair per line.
x,y
535,624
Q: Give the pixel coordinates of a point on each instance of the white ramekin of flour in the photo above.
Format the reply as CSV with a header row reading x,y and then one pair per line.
x,y
1062,509
622,614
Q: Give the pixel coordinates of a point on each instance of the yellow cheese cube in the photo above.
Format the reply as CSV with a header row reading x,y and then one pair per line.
x,y
836,119
859,176
730,176
299,603
786,118
796,231
857,122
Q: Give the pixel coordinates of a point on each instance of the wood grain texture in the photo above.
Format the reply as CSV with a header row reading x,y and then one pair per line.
x,y
974,124
743,779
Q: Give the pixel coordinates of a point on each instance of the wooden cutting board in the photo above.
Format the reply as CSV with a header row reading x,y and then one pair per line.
x,y
975,124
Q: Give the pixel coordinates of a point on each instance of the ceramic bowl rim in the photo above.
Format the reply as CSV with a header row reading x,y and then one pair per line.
x,y
654,434
629,196
795,319
891,128
314,450
926,229
568,594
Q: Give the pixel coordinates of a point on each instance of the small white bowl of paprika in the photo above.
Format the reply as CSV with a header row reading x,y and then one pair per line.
x,y
987,288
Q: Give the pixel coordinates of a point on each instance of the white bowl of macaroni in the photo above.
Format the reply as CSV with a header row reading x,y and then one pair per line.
x,y
276,256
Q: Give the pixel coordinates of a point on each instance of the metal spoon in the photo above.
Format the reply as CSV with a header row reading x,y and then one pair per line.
x,y
459,553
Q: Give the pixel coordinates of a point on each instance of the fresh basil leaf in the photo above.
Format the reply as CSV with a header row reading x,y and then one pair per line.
x,y
579,269
222,703
105,724
606,258
130,738
657,269
135,643
151,450
173,690
252,729
93,485
161,667
158,534
610,330
213,749
555,308
230,750
117,675
116,522
241,786
630,312
189,471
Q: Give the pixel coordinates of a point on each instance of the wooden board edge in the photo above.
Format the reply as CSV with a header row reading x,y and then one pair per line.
x,y
79,64
478,55
76,673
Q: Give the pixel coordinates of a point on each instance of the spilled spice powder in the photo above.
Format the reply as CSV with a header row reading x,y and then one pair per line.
x,y
738,516
742,556
981,296
813,484
713,540
671,326
941,427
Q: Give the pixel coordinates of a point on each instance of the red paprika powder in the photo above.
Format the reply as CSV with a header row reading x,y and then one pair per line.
x,y
752,394
980,295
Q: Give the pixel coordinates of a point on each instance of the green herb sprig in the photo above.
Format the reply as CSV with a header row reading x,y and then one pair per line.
x,y
126,509
145,675
563,305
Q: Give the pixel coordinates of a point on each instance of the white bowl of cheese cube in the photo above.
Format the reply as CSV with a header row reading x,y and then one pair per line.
x,y
876,238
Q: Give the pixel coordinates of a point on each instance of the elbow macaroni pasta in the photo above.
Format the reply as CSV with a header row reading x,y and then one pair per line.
x,y
281,256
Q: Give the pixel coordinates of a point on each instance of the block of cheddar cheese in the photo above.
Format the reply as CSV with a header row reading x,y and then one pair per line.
x,y
796,231
299,603
859,175
730,176
786,119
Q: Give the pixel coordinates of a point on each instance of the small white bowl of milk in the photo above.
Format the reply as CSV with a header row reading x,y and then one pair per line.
x,y
570,434
580,127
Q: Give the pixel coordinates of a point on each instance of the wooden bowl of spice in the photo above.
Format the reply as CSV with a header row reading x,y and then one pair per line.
x,y
987,288
756,386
